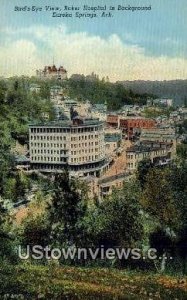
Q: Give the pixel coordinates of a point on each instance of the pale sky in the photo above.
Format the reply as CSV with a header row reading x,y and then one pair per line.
x,y
147,45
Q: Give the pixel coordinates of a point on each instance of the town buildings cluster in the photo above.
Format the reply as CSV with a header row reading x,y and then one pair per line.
x,y
100,147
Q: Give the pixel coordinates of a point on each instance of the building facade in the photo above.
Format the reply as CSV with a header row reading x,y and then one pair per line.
x,y
52,72
78,144
160,134
129,125
160,153
113,120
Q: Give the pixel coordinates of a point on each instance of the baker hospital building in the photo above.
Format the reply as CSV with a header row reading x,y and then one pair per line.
x,y
78,144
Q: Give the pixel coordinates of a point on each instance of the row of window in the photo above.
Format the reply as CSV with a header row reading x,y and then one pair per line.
x,y
84,137
59,167
47,137
84,151
62,159
63,130
53,152
138,155
84,159
48,145
63,146
62,138
131,156
47,151
48,158
130,165
84,145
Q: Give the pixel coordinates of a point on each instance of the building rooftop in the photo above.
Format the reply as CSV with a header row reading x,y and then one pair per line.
x,y
112,138
69,123
148,146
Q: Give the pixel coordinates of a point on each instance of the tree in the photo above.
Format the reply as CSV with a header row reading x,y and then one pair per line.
x,y
182,246
3,89
165,198
6,241
157,198
144,167
45,90
35,227
182,151
163,243
66,210
19,188
159,201
178,182
35,231
117,222
6,160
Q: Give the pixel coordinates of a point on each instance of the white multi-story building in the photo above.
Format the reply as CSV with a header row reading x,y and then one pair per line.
x,y
78,144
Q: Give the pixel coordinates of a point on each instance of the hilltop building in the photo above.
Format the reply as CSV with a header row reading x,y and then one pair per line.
x,y
52,72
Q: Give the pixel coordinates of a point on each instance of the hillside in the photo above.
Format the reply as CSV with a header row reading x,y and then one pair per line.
x,y
100,91
36,282
176,89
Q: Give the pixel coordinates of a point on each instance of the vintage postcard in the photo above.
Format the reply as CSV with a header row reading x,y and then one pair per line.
x,y
93,149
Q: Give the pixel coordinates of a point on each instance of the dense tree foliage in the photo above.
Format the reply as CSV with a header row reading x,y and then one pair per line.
x,y
7,250
182,151
164,197
100,91
18,108
144,167
157,197
116,221
66,210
